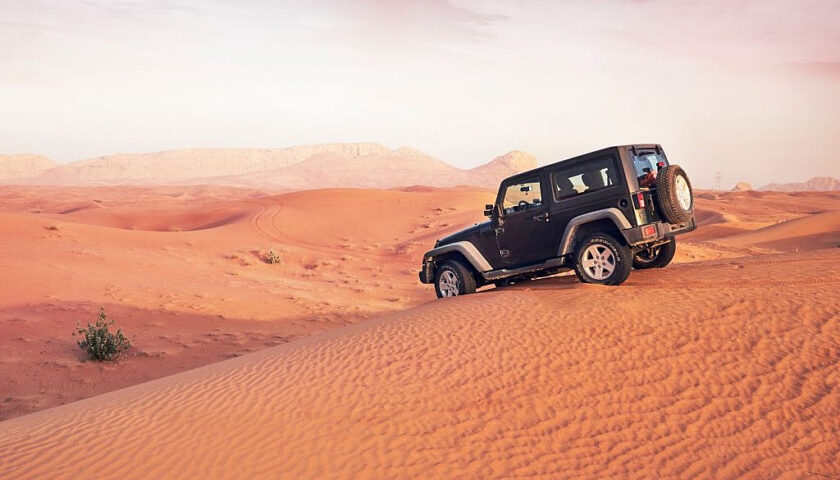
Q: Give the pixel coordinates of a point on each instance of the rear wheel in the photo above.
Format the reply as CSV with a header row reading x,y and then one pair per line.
x,y
655,257
602,259
452,278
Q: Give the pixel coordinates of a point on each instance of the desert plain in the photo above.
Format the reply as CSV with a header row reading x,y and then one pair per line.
x,y
337,363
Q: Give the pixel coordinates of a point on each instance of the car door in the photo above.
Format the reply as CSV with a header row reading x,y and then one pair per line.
x,y
523,229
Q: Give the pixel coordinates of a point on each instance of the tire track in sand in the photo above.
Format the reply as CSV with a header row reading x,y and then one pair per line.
x,y
276,234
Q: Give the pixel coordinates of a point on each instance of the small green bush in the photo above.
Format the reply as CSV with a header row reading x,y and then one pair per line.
x,y
272,257
99,342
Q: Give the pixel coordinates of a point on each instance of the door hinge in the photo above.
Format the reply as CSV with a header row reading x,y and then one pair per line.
x,y
504,253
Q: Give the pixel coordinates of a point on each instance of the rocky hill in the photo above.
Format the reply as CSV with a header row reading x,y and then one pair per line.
x,y
188,164
23,165
500,167
356,165
816,184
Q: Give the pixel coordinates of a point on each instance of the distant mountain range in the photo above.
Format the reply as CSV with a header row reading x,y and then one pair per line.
x,y
23,166
357,165
333,165
816,184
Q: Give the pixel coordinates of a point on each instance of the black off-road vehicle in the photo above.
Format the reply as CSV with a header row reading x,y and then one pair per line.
x,y
600,214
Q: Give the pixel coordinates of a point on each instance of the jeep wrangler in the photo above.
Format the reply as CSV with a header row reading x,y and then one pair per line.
x,y
600,214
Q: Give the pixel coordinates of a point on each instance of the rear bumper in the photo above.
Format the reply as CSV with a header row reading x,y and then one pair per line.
x,y
636,235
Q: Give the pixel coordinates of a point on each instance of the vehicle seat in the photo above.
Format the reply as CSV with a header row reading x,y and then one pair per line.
x,y
593,180
565,188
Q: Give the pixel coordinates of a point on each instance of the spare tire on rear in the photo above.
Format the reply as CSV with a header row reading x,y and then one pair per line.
x,y
674,196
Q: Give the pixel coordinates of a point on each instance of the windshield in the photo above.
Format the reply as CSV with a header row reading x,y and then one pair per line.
x,y
647,166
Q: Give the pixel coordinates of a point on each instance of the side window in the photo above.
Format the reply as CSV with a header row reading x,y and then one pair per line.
x,y
522,196
583,178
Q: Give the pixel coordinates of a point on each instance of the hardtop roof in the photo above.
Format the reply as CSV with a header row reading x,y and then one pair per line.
x,y
640,146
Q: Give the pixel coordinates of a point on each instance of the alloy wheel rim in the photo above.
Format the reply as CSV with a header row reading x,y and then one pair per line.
x,y
683,192
598,262
448,284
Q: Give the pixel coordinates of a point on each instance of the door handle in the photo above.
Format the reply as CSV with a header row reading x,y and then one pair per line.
x,y
541,217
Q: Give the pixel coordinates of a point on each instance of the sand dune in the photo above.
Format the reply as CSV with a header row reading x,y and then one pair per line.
x,y
182,269
553,380
819,230
734,378
724,216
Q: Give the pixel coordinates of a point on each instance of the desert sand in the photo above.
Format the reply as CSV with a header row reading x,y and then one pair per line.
x,y
726,364
182,269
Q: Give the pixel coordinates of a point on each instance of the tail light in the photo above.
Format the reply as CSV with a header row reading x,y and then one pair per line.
x,y
641,213
648,230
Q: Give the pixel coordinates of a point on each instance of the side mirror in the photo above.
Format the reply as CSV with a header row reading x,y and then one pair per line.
x,y
488,210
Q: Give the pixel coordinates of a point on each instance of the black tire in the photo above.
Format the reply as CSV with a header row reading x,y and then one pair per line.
x,y
657,257
668,193
619,258
465,282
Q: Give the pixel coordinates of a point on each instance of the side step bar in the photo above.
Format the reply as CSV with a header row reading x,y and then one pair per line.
x,y
503,272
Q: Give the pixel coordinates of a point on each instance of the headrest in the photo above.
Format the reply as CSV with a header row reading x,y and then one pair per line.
x,y
593,180
565,185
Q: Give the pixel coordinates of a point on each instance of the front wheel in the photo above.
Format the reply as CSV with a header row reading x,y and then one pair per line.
x,y
452,279
656,257
602,259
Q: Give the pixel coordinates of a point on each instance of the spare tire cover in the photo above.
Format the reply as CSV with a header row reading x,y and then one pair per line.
x,y
674,195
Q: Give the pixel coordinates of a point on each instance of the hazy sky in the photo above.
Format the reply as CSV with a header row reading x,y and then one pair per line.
x,y
750,88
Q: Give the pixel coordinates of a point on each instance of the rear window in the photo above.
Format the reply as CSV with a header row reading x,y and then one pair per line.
x,y
647,166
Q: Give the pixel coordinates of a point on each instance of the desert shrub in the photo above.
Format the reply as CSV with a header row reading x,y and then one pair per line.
x,y
52,227
272,257
100,343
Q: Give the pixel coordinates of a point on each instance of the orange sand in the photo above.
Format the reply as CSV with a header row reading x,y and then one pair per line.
x,y
181,269
724,365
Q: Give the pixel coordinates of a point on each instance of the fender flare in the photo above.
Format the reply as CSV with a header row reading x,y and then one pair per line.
x,y
613,214
466,249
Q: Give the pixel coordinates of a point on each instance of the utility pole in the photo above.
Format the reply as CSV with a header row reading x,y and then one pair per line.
x,y
718,176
